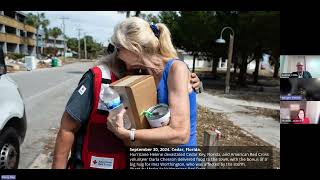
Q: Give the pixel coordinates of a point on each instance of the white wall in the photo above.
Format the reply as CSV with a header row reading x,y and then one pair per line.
x,y
198,64
313,111
264,62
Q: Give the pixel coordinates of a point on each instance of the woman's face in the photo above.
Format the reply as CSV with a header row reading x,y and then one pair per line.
x,y
301,115
129,58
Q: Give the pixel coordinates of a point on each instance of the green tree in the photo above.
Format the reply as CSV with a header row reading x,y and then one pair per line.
x,y
72,43
275,59
55,32
256,31
191,31
196,32
150,18
37,21
93,47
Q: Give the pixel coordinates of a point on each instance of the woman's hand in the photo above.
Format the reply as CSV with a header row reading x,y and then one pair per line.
x,y
116,126
196,83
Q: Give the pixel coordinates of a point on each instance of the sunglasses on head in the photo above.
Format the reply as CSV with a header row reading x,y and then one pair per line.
x,y
112,48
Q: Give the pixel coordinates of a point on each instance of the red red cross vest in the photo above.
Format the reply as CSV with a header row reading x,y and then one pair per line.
x,y
101,148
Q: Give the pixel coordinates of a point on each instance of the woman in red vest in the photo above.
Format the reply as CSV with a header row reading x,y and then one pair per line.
x,y
83,124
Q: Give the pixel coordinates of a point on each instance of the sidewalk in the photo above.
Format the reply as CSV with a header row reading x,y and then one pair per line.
x,y
246,115
44,159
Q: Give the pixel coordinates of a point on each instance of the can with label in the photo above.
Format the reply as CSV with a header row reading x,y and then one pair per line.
x,y
158,115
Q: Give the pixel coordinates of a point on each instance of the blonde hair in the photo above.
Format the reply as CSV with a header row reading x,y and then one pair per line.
x,y
136,35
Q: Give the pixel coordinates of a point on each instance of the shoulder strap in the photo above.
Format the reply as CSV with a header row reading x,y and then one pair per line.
x,y
106,74
106,78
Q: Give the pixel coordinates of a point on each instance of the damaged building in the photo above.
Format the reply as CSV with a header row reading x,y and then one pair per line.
x,y
15,35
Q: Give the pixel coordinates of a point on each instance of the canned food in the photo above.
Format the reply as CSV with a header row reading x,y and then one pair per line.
x,y
158,115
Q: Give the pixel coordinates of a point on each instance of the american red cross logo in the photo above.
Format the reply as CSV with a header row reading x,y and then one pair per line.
x,y
94,162
82,89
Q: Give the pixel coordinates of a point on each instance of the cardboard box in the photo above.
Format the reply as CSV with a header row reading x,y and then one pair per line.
x,y
138,94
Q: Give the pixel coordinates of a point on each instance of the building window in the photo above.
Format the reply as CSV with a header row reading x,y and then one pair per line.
x,y
9,14
30,35
22,33
21,18
10,30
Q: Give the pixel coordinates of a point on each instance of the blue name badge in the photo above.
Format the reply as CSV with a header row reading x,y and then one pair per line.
x,y
6,177
290,98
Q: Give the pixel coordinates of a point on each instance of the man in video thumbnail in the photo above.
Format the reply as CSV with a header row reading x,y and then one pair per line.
x,y
300,72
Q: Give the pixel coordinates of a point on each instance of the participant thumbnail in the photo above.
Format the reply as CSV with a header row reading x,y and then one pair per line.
x,y
300,112
296,66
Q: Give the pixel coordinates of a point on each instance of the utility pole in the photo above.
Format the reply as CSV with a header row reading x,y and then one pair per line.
x,y
64,38
79,29
37,35
85,45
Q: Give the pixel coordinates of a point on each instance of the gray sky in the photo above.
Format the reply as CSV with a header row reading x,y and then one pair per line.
x,y
98,24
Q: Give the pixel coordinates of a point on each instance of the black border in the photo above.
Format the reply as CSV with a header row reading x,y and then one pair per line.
x,y
98,174
299,36
300,148
155,5
300,29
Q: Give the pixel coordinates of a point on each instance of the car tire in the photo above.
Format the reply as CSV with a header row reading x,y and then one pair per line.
x,y
9,149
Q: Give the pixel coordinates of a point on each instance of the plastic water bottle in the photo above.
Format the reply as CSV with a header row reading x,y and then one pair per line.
x,y
114,105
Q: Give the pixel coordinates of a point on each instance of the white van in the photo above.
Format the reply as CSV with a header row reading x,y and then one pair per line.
x,y
13,123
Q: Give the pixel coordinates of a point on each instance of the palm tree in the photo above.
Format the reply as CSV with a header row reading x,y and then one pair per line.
x,y
37,21
55,32
46,36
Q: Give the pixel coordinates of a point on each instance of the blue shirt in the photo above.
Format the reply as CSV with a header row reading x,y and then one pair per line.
x,y
162,93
